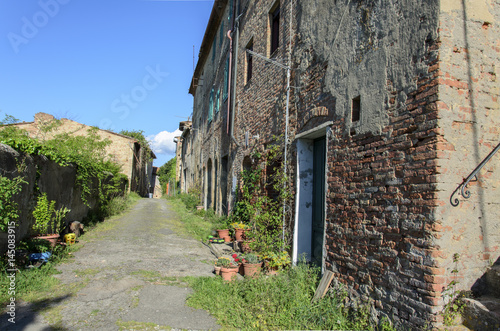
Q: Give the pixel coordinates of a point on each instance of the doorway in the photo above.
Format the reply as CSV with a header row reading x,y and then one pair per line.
x,y
309,231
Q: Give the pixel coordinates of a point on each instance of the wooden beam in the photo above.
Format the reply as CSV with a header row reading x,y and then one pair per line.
x,y
323,286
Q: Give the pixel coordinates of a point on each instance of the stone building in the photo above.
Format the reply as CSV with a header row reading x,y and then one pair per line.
x,y
136,162
390,106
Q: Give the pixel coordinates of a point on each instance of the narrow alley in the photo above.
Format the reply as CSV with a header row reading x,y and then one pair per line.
x,y
126,276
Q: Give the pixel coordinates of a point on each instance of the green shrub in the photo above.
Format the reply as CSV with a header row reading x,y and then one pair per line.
x,y
9,213
190,200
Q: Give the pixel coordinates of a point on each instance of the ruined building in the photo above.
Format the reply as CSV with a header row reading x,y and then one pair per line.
x,y
136,162
389,105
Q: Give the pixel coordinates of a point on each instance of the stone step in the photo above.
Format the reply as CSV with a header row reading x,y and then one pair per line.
x,y
482,313
493,281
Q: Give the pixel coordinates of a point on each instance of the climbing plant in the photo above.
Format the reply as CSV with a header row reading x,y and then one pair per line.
x,y
87,153
9,213
260,209
139,136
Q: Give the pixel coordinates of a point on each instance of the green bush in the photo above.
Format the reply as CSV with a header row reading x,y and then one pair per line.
x,y
9,213
190,200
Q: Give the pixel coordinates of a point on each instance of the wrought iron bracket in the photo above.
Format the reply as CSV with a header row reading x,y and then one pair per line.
x,y
462,188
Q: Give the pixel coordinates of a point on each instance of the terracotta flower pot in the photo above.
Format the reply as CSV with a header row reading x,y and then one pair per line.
x,y
228,273
252,269
224,234
239,234
217,270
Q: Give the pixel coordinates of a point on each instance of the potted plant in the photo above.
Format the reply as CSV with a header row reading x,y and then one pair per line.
x,y
48,221
218,265
222,230
229,268
252,263
276,261
239,229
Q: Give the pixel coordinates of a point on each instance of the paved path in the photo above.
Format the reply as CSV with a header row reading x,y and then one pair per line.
x,y
126,278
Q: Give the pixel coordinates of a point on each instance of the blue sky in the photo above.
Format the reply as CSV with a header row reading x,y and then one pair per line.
x,y
116,64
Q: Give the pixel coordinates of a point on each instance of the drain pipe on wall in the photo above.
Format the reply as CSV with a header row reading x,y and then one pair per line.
x,y
288,73
229,78
233,103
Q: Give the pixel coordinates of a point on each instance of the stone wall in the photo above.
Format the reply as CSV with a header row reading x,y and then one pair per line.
x,y
424,78
134,160
44,176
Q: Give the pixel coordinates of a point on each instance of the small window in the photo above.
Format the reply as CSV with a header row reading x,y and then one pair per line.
x,y
356,109
249,62
275,28
214,45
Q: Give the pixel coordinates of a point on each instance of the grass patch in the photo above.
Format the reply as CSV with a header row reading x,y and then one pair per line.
x,y
156,278
36,283
133,325
87,272
195,224
281,302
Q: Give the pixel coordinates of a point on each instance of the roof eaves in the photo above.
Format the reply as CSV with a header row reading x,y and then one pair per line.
x,y
210,32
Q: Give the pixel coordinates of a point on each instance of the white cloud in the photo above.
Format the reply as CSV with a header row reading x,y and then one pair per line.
x,y
163,142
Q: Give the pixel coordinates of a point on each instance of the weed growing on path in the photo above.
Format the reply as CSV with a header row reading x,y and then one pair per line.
x,y
190,224
281,302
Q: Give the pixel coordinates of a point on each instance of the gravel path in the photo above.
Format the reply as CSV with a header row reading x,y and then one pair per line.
x,y
126,278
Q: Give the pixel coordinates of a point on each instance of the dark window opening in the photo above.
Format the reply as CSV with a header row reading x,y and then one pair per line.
x,y
275,29
249,61
356,109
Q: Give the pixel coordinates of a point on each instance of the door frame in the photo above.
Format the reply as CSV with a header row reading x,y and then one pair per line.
x,y
302,233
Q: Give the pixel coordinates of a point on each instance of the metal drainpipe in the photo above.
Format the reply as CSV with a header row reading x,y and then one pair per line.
x,y
288,72
229,78
236,41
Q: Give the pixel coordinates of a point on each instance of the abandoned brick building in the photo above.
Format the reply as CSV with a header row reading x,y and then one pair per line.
x,y
389,105
136,162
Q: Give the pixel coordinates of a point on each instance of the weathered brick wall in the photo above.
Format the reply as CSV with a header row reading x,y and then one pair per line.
x,y
426,83
382,171
429,98
469,119
261,101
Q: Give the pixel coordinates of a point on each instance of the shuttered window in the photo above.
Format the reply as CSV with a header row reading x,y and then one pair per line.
x,y
211,106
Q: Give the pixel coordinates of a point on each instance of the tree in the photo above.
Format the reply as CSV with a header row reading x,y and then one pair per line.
x,y
8,119
139,136
167,171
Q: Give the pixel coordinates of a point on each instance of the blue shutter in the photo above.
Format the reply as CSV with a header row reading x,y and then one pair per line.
x,y
226,80
221,36
211,106
217,101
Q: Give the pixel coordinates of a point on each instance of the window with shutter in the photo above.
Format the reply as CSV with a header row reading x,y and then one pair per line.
x,y
211,106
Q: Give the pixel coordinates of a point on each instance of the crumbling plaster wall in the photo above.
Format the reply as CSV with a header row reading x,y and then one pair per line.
x,y
366,43
121,149
46,176
380,237
470,124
